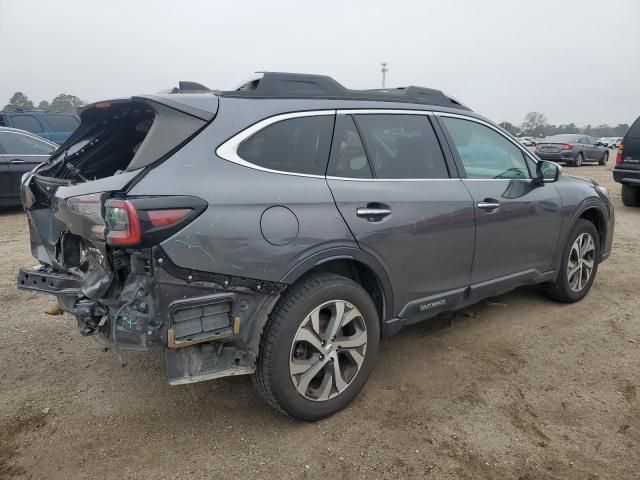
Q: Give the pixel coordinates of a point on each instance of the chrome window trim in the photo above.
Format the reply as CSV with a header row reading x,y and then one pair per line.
x,y
382,111
349,179
494,128
228,150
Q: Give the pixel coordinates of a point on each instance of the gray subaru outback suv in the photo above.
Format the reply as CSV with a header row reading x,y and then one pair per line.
x,y
284,228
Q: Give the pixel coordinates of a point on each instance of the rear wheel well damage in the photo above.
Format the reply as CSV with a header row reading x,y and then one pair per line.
x,y
349,268
359,273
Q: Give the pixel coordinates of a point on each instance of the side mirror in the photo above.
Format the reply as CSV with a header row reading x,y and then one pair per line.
x,y
547,172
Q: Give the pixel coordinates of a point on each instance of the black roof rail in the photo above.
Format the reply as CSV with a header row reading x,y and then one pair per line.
x,y
187,87
299,85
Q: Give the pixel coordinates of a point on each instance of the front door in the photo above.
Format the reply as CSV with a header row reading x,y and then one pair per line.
x,y
517,222
392,185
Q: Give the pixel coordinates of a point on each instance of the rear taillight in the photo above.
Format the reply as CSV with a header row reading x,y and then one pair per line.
x,y
619,155
123,222
148,221
164,218
567,146
136,221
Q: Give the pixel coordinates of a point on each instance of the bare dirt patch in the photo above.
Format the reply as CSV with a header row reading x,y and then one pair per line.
x,y
519,388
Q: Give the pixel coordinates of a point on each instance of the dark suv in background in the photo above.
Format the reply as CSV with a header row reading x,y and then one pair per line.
x,y
284,228
627,169
53,126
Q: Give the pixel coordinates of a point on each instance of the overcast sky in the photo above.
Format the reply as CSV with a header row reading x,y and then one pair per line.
x,y
572,60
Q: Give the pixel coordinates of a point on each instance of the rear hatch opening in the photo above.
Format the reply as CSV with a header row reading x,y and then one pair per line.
x,y
116,143
105,143
121,136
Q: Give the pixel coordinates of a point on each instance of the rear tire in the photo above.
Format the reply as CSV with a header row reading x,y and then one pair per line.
x,y
308,368
577,162
630,195
579,264
604,159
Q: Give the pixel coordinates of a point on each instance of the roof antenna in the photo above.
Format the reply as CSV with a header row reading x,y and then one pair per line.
x,y
384,73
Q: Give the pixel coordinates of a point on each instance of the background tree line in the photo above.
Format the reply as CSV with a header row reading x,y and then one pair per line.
x,y
536,125
62,103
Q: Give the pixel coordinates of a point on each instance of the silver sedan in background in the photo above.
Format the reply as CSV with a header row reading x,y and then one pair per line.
x,y
572,149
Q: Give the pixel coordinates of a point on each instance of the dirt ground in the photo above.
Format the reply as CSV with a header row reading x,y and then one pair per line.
x,y
518,387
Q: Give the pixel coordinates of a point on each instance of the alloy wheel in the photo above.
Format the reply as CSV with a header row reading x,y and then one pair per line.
x,y
328,350
581,262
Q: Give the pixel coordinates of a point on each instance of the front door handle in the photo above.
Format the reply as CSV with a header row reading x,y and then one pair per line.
x,y
489,204
374,212
17,161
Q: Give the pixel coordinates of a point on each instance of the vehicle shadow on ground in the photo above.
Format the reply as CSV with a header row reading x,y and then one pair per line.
x,y
11,210
234,400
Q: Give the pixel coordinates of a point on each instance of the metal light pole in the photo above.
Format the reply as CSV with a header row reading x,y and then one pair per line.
x,y
384,73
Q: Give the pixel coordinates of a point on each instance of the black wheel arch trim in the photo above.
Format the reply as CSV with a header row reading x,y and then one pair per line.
x,y
585,205
346,253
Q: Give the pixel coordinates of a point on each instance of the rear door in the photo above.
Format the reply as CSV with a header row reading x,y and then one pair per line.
x,y
595,153
5,177
21,153
404,205
517,222
584,147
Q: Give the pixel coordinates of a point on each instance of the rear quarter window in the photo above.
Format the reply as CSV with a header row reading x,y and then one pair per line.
x,y
26,122
61,123
296,145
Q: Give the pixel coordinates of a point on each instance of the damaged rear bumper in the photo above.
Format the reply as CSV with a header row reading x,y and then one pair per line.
x,y
43,280
209,324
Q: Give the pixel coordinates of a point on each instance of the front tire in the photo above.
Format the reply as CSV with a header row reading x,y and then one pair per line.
x,y
318,347
579,264
604,159
630,196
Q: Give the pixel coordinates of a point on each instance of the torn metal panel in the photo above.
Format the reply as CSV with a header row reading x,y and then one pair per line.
x,y
205,362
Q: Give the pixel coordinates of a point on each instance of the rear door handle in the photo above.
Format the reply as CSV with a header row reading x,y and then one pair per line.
x,y
488,204
17,161
373,212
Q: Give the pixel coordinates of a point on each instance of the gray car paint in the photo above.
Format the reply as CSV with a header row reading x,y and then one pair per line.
x,y
422,254
226,238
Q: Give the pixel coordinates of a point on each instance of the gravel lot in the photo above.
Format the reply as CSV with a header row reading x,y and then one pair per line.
x,y
516,387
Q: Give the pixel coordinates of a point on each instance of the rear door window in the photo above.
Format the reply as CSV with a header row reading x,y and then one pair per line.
x,y
12,143
296,145
61,123
26,122
401,146
485,153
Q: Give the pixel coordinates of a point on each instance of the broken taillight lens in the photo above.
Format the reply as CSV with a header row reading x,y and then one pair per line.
x,y
123,223
87,205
